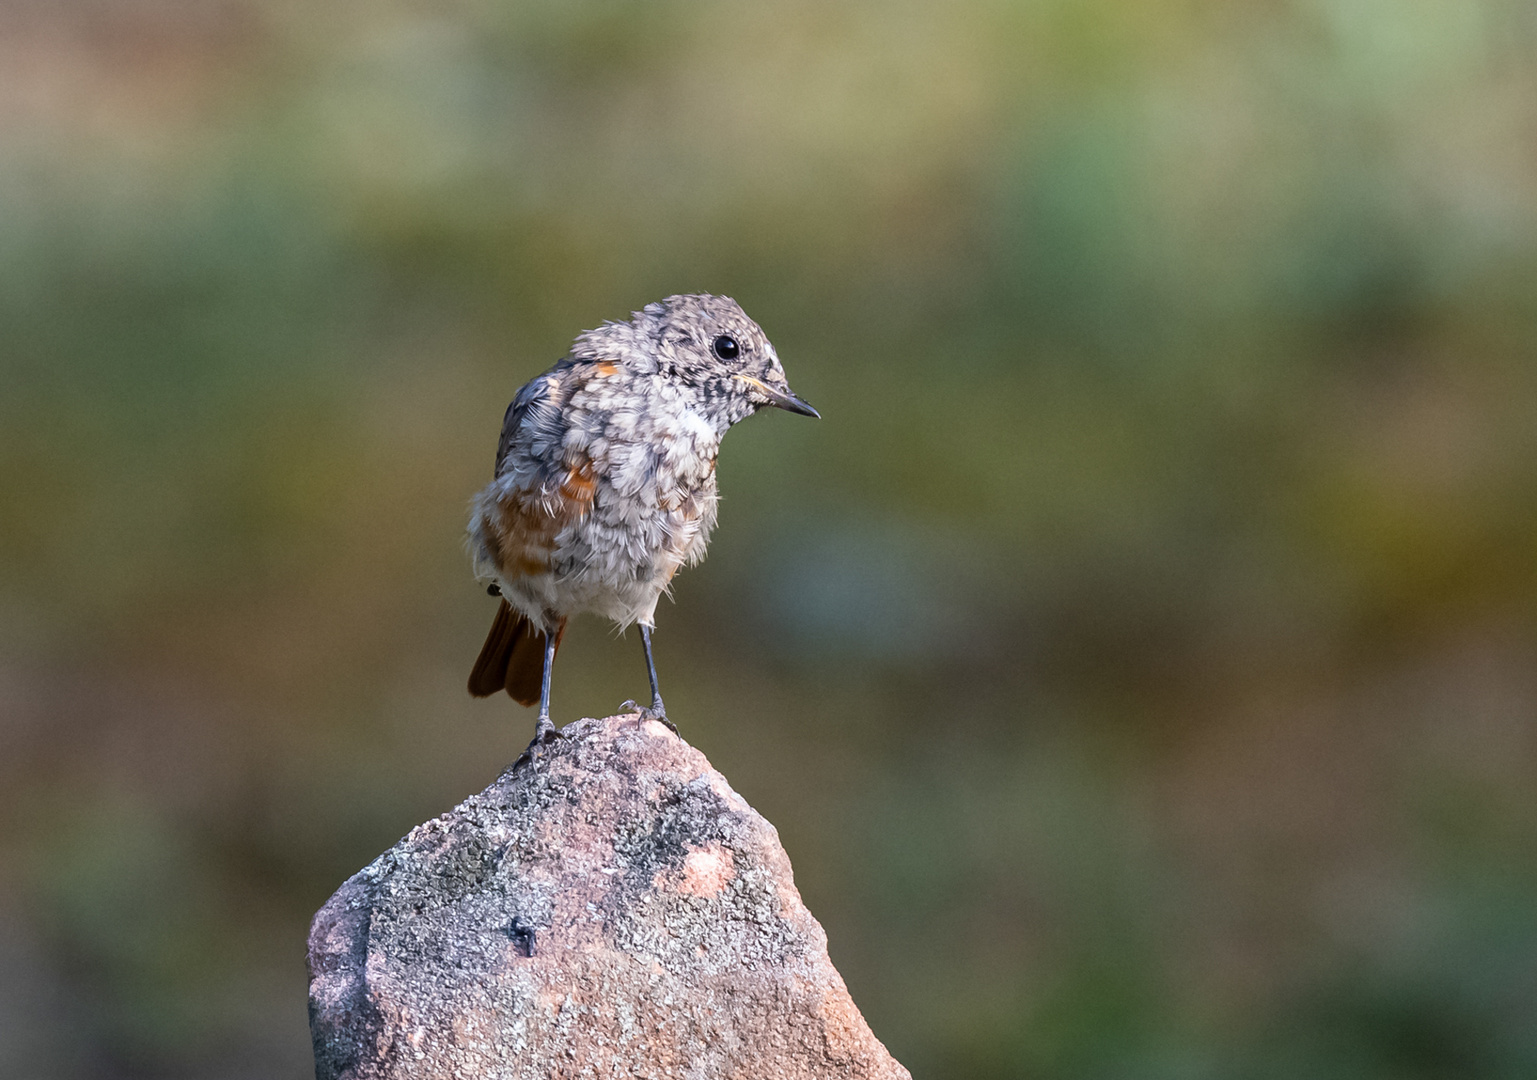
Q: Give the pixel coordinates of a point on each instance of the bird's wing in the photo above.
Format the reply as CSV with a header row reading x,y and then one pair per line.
x,y
535,410
541,486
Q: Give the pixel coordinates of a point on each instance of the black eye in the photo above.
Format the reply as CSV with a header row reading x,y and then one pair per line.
x,y
726,347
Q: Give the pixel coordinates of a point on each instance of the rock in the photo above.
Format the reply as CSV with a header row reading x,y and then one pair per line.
x,y
615,910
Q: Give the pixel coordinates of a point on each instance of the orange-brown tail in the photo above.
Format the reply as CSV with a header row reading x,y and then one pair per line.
x,y
512,658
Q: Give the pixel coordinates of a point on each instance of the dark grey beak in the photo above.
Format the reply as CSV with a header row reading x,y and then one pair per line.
x,y
781,399
790,403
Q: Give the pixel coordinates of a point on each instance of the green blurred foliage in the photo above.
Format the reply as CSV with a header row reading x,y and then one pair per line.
x,y
1137,661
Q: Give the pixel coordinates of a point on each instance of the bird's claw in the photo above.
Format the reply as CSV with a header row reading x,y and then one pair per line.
x,y
656,712
544,734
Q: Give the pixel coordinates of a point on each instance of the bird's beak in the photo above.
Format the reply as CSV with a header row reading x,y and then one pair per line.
x,y
781,399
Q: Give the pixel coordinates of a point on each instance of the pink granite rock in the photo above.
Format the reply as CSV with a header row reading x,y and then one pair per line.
x,y
614,911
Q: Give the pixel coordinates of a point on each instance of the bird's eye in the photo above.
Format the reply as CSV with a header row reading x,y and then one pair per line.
x,y
726,347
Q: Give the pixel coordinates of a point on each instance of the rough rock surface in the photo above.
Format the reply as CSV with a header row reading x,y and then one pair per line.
x,y
614,911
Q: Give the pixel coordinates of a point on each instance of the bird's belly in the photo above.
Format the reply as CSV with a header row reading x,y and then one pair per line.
x,y
619,559
605,536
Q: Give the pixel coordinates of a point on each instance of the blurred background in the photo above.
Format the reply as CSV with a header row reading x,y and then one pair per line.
x,y
1139,660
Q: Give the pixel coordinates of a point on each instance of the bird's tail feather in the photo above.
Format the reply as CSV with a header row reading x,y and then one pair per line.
x,y
512,658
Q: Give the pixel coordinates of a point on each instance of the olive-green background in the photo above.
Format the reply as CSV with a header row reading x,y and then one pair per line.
x,y
1139,660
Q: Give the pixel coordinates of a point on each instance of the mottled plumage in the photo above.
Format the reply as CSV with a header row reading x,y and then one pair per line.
x,y
605,478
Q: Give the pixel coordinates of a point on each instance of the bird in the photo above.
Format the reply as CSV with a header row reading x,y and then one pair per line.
x,y
604,484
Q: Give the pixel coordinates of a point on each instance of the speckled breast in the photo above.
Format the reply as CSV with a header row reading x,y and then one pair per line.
x,y
632,500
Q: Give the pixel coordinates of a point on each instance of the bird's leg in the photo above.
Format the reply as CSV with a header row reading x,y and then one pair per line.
x,y
658,711
544,729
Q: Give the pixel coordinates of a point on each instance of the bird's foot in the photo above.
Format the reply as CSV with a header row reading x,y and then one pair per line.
x,y
544,733
657,712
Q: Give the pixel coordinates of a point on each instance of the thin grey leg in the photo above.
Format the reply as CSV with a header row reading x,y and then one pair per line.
x,y
544,727
658,711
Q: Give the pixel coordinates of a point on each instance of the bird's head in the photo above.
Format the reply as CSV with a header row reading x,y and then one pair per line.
x,y
709,343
